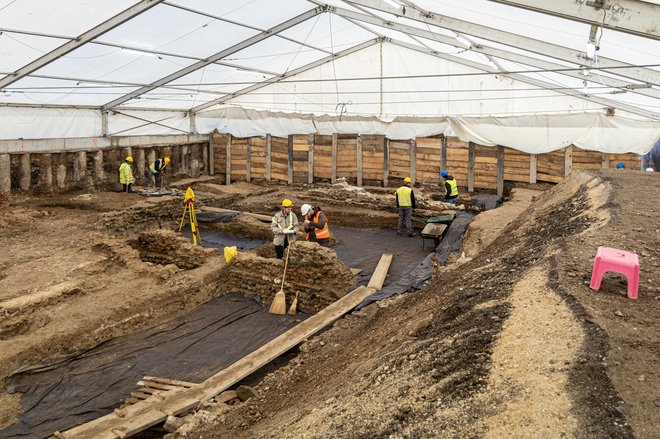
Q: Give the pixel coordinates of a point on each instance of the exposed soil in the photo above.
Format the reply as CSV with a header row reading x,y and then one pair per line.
x,y
510,343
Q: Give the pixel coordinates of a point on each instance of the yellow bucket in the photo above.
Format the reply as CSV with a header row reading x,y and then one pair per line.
x,y
230,252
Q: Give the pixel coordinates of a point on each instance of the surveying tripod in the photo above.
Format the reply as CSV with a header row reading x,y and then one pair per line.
x,y
189,207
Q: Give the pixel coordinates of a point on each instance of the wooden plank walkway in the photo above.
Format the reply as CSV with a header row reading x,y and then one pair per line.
x,y
154,410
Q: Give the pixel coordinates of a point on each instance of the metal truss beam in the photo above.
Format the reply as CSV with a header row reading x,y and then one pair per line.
x,y
631,16
538,83
139,49
73,44
218,56
287,75
491,51
539,47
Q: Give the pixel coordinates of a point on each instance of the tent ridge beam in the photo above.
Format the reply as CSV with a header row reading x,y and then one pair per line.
x,y
538,47
630,16
73,44
218,56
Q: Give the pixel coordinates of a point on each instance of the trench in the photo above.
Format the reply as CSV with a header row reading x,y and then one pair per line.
x,y
197,345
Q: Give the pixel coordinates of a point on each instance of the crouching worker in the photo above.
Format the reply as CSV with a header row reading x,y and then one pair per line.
x,y
155,171
451,188
126,178
316,224
285,227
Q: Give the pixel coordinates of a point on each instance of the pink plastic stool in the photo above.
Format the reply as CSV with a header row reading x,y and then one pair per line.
x,y
619,261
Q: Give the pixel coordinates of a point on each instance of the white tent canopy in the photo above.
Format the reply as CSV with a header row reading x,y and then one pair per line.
x,y
480,69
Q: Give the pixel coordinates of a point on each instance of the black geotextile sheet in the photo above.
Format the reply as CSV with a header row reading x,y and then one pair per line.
x,y
362,248
417,276
191,348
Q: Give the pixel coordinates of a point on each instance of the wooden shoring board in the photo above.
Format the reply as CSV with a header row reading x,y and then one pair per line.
x,y
260,217
144,414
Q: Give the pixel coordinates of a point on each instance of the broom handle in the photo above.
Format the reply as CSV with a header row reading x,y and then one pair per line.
x,y
286,262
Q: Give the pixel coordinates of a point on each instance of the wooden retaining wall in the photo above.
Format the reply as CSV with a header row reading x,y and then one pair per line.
x,y
376,160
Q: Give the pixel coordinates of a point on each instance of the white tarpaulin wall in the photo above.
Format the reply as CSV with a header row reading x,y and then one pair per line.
x,y
532,134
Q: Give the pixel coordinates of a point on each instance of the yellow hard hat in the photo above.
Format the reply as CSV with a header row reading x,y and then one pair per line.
x,y
129,159
167,160
407,180
286,203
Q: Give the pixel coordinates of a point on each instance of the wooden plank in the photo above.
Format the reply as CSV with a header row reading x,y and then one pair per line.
x,y
169,381
358,157
500,170
210,168
568,161
386,160
413,160
605,161
443,154
228,158
260,217
290,160
532,167
333,177
310,160
268,156
471,167
248,160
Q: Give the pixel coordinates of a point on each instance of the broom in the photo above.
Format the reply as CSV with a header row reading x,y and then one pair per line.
x,y
294,305
279,302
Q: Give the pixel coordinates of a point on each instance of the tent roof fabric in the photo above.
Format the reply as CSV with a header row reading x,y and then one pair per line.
x,y
373,58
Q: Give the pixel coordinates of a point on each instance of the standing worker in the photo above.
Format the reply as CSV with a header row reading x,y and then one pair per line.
x,y
155,170
451,188
316,224
126,175
285,227
405,202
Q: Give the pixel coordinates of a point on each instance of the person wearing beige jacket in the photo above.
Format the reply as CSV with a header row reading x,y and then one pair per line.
x,y
285,228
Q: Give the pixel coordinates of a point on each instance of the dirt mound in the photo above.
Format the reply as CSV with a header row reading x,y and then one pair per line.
x,y
454,359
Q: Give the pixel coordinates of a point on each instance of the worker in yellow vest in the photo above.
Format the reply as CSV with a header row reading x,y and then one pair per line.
x,y
451,188
405,202
126,178
316,224
155,170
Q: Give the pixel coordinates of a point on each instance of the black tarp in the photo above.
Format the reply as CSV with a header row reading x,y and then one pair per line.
x,y
190,348
418,275
362,248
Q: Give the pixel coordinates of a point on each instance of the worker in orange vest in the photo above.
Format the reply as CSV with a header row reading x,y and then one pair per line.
x,y
316,224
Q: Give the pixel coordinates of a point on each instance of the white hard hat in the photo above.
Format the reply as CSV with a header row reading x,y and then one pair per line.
x,y
649,169
305,208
